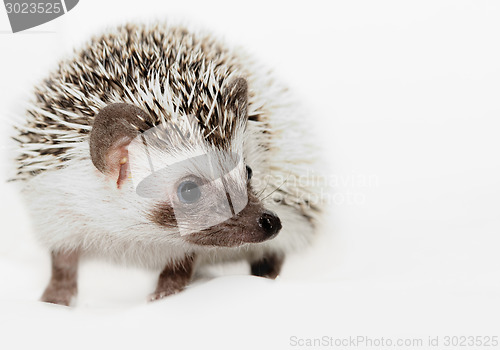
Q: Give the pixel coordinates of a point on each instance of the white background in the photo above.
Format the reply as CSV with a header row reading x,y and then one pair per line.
x,y
404,94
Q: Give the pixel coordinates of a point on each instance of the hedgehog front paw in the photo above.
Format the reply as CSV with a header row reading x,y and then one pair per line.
x,y
174,278
58,295
268,266
158,295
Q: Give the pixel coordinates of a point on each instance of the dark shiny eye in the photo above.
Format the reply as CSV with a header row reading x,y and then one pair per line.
x,y
249,172
188,192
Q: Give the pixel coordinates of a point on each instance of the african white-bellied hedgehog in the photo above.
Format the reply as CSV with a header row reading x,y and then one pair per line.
x,y
164,148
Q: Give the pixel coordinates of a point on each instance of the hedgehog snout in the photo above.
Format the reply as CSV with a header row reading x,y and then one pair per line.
x,y
270,223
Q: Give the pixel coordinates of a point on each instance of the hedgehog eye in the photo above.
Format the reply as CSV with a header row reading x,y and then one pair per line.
x,y
188,192
249,172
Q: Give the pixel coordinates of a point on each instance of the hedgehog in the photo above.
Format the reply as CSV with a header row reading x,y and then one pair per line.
x,y
165,148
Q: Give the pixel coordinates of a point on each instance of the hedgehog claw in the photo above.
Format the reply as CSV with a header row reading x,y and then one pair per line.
x,y
163,294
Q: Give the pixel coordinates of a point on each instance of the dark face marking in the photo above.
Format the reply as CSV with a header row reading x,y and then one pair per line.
x,y
252,225
163,215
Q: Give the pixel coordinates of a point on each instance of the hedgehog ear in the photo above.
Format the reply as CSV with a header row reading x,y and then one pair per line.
x,y
115,126
236,96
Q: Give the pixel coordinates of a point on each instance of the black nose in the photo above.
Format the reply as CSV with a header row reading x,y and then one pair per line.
x,y
270,223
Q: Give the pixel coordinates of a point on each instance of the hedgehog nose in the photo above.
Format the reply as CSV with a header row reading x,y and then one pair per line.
x,y
270,223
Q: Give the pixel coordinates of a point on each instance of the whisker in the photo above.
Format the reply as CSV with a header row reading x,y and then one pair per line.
x,y
265,188
277,188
